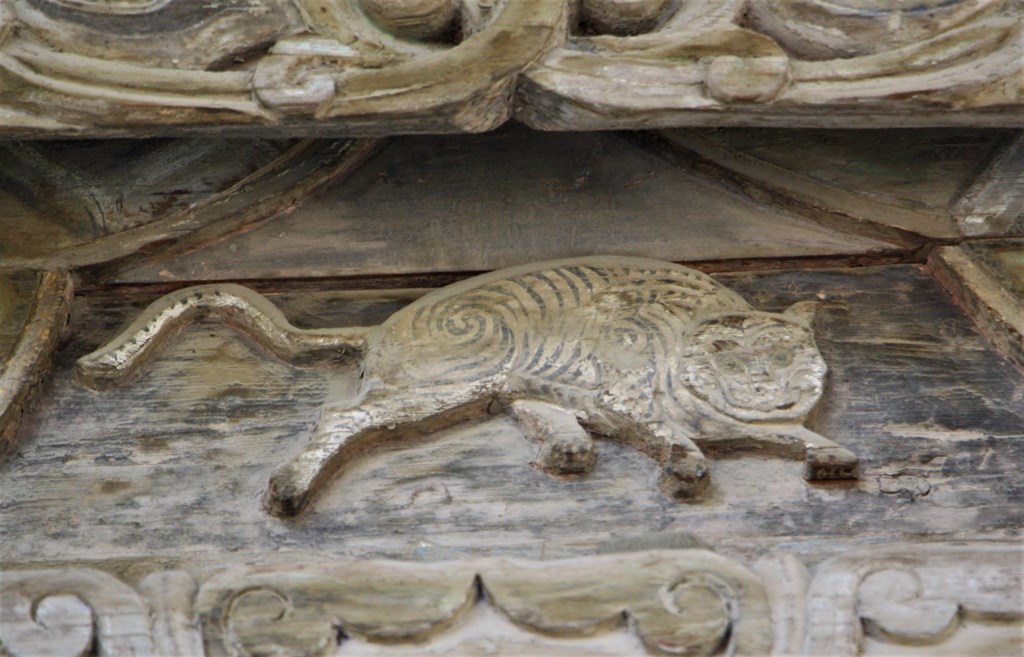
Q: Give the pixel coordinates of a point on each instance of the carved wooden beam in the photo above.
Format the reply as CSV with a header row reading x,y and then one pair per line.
x,y
673,602
367,67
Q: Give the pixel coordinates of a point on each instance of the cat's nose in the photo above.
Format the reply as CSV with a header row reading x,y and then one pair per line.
x,y
759,371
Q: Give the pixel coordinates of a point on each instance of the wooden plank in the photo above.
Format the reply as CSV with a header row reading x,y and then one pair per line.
x,y
900,179
476,203
994,203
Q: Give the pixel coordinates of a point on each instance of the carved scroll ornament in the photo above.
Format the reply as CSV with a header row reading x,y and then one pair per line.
x,y
688,602
66,613
376,67
654,355
913,595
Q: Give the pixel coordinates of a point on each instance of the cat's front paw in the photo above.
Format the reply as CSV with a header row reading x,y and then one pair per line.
x,y
568,455
830,462
684,477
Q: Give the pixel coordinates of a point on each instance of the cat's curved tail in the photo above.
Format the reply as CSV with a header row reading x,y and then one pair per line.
x,y
241,307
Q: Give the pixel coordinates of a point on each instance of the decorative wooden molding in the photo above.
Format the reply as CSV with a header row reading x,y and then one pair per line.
x,y
369,67
689,602
913,594
778,63
686,602
650,354
39,329
937,598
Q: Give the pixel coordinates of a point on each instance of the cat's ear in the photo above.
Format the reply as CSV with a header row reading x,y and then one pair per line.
x,y
803,312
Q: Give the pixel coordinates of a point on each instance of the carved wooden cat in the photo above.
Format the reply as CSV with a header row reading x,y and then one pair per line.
x,y
654,355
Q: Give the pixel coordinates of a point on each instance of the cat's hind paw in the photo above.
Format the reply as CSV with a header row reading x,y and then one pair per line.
x,y
684,477
830,462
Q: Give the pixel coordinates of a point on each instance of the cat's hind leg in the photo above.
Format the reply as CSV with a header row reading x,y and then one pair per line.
x,y
566,448
344,433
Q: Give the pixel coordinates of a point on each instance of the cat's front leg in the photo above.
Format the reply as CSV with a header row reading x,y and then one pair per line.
x,y
823,459
566,448
684,470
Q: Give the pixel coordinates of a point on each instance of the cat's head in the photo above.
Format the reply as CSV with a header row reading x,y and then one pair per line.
x,y
755,366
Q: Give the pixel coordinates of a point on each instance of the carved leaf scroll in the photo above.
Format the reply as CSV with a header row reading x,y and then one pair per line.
x,y
372,67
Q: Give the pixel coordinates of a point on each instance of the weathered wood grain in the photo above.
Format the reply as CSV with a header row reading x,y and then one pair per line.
x,y
477,203
73,204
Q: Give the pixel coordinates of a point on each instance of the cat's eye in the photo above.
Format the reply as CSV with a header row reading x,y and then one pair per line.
x,y
782,357
732,364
